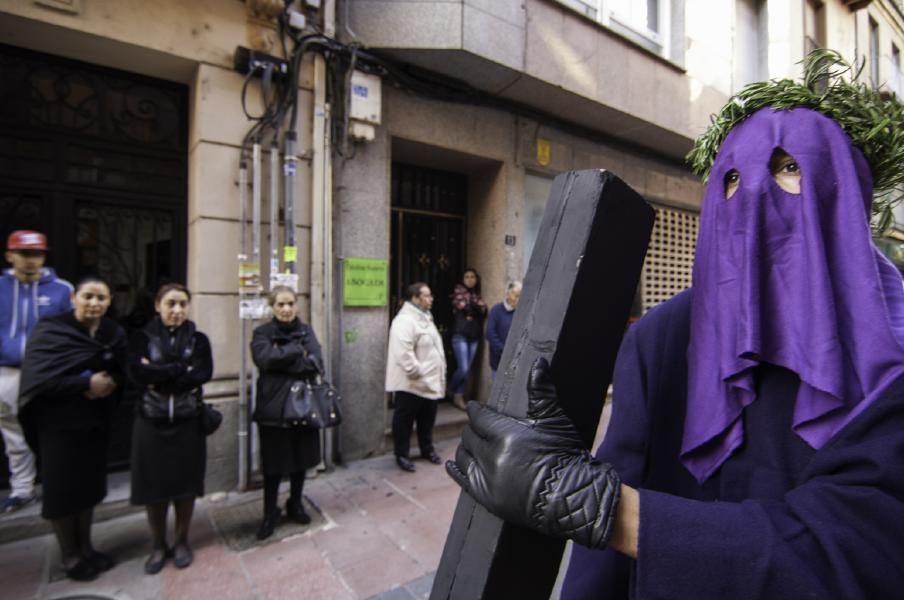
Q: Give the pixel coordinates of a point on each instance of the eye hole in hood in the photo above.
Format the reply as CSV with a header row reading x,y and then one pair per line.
x,y
784,168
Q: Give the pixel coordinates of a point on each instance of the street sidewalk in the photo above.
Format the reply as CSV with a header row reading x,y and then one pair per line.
x,y
377,533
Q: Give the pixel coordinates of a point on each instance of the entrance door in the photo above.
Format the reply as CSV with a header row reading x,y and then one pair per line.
x,y
97,160
429,209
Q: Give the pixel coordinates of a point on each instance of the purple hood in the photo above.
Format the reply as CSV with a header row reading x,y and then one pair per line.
x,y
791,280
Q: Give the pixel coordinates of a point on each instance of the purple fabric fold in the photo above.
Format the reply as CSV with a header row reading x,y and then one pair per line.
x,y
792,280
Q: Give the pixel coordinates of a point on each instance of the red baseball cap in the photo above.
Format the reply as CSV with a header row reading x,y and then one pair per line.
x,y
24,239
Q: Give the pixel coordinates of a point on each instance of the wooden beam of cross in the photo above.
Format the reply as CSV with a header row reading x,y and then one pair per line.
x,y
574,308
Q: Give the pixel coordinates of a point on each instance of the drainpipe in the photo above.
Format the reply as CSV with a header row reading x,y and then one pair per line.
x,y
321,214
243,340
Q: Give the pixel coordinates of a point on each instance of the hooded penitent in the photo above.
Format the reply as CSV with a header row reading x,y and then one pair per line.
x,y
792,280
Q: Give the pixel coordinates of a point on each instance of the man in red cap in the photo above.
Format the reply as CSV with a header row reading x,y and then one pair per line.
x,y
28,292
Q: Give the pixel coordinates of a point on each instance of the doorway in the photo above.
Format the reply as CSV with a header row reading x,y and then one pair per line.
x,y
98,160
429,221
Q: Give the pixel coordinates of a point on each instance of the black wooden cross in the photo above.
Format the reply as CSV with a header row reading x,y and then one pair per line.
x,y
574,308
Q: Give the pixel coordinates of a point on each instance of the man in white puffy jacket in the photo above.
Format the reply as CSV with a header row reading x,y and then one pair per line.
x,y
416,374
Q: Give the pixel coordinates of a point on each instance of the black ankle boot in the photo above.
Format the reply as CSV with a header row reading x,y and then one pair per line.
x,y
268,525
296,512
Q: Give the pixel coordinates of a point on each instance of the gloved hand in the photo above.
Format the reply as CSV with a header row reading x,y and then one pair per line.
x,y
535,471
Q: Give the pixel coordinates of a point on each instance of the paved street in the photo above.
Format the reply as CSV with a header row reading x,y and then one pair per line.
x,y
377,533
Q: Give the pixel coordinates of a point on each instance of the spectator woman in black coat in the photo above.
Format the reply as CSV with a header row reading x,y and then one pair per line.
x,y
74,364
285,350
169,358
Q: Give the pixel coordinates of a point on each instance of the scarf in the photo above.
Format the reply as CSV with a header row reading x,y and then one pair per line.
x,y
60,344
174,344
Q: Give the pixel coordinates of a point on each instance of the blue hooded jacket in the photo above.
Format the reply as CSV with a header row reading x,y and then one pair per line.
x,y
22,305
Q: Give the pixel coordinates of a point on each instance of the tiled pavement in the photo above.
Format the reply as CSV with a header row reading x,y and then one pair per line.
x,y
378,534
380,537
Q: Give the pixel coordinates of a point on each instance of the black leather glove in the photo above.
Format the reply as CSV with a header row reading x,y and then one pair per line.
x,y
535,471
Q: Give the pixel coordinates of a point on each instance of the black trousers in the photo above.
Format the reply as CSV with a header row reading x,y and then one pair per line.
x,y
411,409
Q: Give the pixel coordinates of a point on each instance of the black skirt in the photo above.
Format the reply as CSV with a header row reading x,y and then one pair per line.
x,y
286,450
73,470
168,461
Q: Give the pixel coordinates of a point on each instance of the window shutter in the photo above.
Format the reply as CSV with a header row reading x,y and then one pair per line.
x,y
670,258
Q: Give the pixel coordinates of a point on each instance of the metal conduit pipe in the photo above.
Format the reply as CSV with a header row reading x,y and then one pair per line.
x,y
319,226
274,209
331,433
255,260
243,365
321,195
290,167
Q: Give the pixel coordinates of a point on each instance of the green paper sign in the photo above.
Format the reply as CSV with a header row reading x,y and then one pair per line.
x,y
364,282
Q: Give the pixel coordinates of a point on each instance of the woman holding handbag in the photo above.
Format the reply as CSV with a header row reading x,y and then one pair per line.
x,y
169,360
285,351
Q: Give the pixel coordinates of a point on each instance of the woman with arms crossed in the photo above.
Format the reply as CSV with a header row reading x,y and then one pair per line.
x,y
73,365
169,358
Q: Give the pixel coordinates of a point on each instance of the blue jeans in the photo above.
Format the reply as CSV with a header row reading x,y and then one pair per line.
x,y
464,350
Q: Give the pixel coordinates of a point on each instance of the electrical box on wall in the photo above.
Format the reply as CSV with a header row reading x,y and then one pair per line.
x,y
362,132
365,98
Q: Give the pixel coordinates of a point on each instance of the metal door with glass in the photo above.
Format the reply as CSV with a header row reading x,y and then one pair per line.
x,y
429,210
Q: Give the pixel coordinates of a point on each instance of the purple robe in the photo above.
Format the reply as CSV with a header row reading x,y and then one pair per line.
x,y
778,520
761,416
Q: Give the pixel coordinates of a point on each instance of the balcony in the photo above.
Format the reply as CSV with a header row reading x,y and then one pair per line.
x,y
546,56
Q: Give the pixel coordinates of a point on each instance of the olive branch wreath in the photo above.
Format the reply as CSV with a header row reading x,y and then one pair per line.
x,y
873,119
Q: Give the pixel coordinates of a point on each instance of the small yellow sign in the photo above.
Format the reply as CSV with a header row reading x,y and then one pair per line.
x,y
544,152
290,253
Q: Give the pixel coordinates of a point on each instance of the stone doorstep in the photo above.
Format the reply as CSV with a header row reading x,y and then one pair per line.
x,y
28,523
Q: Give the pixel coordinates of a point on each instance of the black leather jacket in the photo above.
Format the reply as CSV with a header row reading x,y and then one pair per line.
x,y
283,352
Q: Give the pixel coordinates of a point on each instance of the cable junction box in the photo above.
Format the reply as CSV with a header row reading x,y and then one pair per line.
x,y
247,61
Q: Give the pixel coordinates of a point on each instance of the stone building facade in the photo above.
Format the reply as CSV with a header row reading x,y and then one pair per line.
x,y
449,180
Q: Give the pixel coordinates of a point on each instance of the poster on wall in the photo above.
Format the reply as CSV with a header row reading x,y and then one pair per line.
x,y
365,281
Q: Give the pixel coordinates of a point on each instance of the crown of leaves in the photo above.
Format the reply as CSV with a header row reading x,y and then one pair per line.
x,y
874,121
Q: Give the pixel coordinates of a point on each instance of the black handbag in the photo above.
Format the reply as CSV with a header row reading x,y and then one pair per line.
x,y
159,407
313,405
211,418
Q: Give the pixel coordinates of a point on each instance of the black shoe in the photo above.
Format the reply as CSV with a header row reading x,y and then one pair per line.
x,y
432,456
103,562
296,512
152,566
405,463
182,556
268,525
83,570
